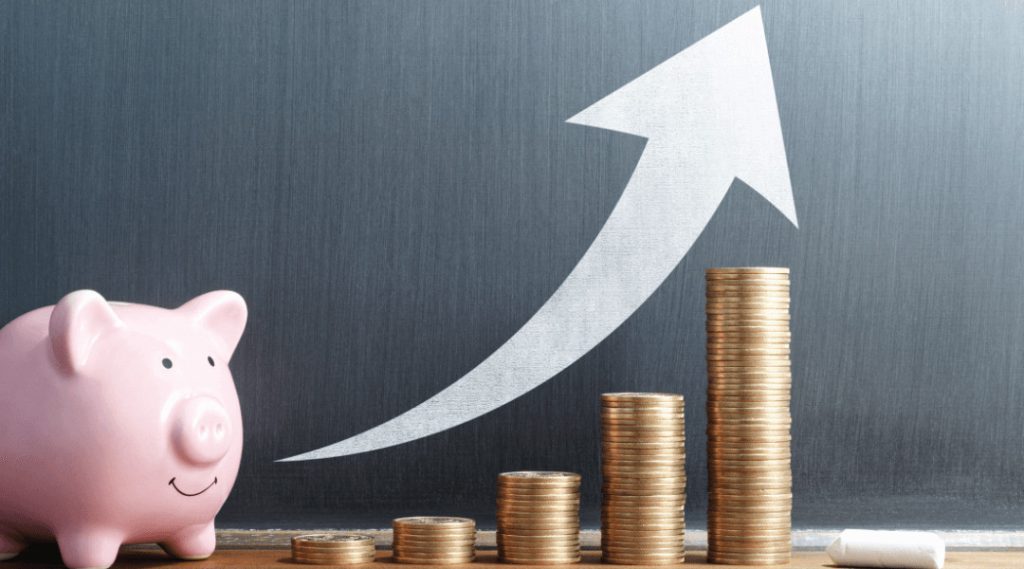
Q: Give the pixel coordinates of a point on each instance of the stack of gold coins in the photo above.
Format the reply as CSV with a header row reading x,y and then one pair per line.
x,y
333,549
539,517
434,540
643,463
749,467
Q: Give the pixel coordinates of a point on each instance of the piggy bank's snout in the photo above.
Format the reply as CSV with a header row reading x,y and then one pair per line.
x,y
202,433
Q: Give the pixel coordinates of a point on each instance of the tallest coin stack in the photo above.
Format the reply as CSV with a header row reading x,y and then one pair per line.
x,y
749,466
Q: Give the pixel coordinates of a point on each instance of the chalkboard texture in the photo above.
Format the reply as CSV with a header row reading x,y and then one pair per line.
x,y
393,188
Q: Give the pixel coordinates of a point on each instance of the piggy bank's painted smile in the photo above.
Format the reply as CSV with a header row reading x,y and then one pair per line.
x,y
175,486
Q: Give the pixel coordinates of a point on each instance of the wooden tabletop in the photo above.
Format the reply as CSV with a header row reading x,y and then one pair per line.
x,y
48,558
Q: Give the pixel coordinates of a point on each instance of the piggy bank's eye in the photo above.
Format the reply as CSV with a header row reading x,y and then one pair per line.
x,y
168,363
210,359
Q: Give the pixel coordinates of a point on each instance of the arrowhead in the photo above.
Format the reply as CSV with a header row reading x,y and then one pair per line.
x,y
715,99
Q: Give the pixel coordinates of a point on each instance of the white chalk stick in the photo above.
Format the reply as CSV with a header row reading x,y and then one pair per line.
x,y
891,549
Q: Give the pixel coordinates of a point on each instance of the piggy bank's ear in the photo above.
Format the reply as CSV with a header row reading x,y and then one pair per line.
x,y
223,313
75,323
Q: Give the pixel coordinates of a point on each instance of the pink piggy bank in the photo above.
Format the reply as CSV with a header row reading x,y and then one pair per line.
x,y
119,423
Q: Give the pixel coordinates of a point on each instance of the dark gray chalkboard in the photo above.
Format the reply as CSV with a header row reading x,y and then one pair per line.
x,y
393,189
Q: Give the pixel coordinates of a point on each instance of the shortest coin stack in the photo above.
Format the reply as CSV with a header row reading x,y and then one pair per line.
x,y
434,540
333,549
539,517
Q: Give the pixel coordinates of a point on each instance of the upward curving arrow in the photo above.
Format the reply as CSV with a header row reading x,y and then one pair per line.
x,y
709,116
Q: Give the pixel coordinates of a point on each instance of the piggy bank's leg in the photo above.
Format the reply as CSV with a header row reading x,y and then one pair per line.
x,y
9,547
88,548
194,542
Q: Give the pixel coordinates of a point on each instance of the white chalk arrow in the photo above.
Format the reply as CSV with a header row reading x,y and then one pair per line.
x,y
709,116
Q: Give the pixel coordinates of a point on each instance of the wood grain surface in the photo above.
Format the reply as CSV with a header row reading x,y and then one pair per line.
x,y
273,559
392,187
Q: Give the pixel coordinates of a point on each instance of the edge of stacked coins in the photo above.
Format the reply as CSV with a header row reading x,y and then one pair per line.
x,y
643,466
749,385
434,540
538,517
333,549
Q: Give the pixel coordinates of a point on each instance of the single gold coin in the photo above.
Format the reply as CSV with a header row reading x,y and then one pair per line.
x,y
776,320
527,496
646,413
326,551
623,517
643,431
513,526
332,560
541,552
744,548
747,310
715,271
634,543
642,475
537,544
780,533
746,326
727,368
542,533
748,295
672,477
638,490
538,558
733,427
434,521
540,540
639,557
540,507
677,537
649,436
645,448
738,465
539,476
746,323
648,462
613,500
776,537
751,489
716,345
333,539
433,561
757,300
666,507
745,289
329,553
424,550
639,397
506,520
751,480
667,548
748,519
725,507
761,501
620,481
642,534
746,452
751,393
407,546
783,400
671,442
734,560
763,349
